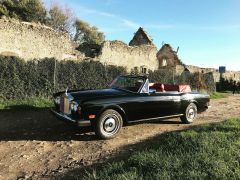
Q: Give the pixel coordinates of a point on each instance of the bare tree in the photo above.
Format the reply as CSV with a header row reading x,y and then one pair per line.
x,y
61,19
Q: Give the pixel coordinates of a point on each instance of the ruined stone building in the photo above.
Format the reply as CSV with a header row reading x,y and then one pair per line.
x,y
141,38
36,41
167,57
141,54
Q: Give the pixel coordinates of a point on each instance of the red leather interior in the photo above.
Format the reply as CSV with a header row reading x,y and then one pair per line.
x,y
168,87
158,86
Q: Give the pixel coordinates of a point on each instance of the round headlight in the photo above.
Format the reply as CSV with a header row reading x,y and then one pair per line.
x,y
74,106
57,100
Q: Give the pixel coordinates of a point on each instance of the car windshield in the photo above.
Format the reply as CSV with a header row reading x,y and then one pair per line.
x,y
128,83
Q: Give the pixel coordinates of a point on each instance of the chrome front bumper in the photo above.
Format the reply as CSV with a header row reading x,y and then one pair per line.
x,y
65,118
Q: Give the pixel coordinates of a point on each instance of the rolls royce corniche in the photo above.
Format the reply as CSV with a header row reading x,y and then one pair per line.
x,y
128,99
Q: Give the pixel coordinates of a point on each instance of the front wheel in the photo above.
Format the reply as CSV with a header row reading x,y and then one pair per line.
x,y
108,124
190,114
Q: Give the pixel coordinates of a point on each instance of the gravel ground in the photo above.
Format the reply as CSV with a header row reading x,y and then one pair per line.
x,y
34,144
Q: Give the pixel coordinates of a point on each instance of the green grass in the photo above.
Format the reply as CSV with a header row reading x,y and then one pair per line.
x,y
29,103
218,95
206,152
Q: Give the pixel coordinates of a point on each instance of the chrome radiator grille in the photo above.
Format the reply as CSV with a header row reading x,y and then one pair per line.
x,y
65,105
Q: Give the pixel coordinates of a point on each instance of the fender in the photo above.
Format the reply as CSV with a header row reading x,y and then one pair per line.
x,y
185,104
117,108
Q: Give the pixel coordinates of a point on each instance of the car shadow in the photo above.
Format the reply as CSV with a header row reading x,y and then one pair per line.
x,y
40,124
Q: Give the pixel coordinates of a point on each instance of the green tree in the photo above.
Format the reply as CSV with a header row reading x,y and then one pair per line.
x,y
87,33
25,10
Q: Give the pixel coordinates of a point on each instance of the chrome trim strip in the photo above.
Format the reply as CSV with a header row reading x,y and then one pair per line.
x,y
84,123
161,117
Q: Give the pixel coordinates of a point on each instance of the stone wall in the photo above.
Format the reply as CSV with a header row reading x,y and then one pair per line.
x,y
228,75
194,69
30,40
120,54
167,57
232,75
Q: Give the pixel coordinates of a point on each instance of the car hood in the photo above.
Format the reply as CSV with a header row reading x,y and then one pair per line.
x,y
93,94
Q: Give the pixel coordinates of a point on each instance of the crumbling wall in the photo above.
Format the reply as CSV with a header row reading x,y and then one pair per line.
x,y
31,40
228,75
141,38
179,69
194,69
167,57
216,76
231,75
120,54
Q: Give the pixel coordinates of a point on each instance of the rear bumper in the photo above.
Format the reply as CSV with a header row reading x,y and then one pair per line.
x,y
65,118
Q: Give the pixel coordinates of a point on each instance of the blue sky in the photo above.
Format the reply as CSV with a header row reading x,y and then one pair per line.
x,y
207,31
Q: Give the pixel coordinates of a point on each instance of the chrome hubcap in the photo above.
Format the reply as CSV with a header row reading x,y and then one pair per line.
x,y
191,114
109,124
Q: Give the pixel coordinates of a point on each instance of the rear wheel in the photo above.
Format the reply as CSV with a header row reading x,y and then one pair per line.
x,y
190,114
108,124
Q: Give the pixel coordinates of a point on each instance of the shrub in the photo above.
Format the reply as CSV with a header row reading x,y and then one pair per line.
x,y
20,79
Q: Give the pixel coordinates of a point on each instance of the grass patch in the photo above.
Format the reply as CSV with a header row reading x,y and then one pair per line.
x,y
29,103
218,95
206,152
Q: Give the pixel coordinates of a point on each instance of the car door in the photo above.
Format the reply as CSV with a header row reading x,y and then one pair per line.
x,y
165,104
153,105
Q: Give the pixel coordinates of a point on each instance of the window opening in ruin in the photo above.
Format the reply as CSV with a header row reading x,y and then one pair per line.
x,y
164,62
143,70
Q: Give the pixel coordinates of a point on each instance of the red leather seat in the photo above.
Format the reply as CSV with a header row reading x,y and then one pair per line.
x,y
168,87
158,86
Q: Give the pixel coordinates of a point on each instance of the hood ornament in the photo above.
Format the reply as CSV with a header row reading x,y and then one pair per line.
x,y
66,93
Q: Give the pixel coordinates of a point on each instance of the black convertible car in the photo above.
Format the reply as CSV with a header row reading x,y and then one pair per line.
x,y
129,99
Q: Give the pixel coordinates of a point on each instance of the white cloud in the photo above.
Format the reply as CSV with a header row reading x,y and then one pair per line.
x,y
107,14
119,23
160,26
130,24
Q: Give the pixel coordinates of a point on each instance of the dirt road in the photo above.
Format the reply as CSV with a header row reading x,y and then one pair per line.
x,y
34,144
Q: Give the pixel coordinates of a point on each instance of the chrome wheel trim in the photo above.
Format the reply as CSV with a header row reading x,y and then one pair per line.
x,y
110,124
191,114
